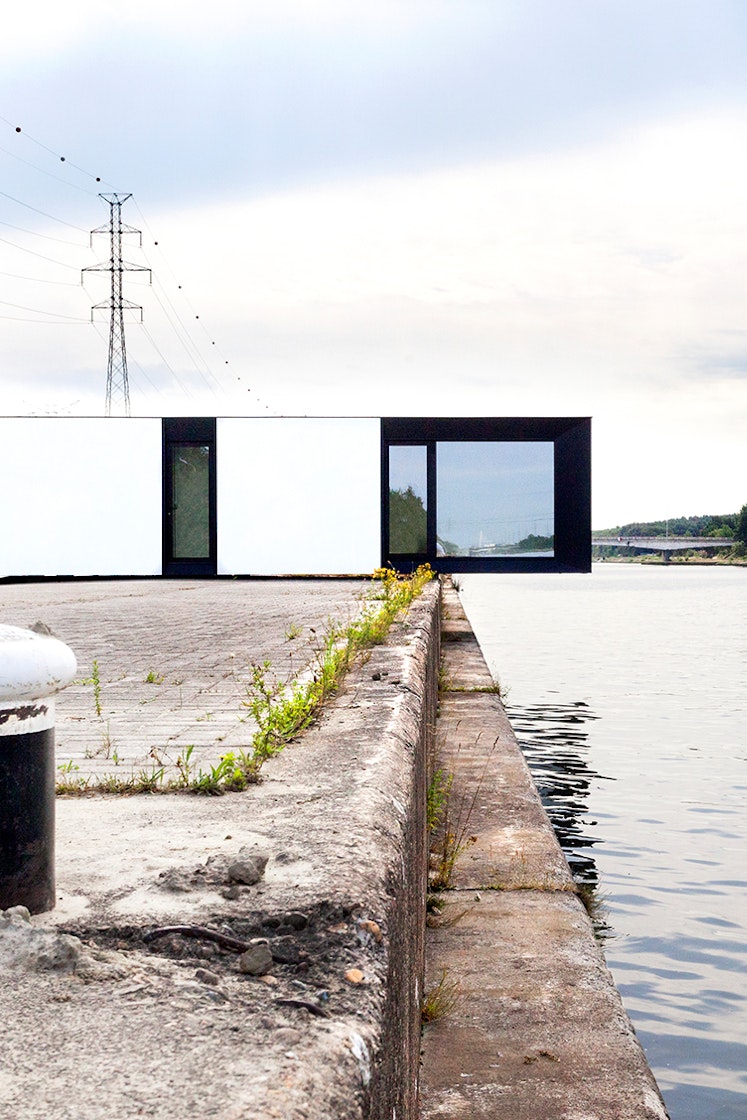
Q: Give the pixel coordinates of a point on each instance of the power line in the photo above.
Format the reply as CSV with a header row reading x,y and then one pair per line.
x,y
42,212
49,174
174,320
43,322
50,151
39,280
20,307
35,233
33,253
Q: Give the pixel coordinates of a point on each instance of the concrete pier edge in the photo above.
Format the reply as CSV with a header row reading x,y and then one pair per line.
x,y
100,1022
536,1029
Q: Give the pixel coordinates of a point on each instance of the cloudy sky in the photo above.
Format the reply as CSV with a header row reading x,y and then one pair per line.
x,y
424,207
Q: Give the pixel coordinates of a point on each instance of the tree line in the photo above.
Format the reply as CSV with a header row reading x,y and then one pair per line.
x,y
725,525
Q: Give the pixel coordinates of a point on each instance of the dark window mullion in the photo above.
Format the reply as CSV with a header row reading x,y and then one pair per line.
x,y
431,513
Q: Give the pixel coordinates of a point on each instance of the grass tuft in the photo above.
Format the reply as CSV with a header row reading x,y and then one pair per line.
x,y
440,999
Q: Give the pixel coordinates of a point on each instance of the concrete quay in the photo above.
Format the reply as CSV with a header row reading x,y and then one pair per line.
x,y
319,1015
536,1029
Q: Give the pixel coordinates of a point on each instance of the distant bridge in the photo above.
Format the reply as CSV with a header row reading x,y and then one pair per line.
x,y
663,544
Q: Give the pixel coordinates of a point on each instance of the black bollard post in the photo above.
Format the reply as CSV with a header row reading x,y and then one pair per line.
x,y
32,668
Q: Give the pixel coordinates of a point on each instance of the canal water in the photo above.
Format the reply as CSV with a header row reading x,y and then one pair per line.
x,y
627,689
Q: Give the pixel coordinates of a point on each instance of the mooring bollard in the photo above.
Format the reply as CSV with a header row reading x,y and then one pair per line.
x,y
32,668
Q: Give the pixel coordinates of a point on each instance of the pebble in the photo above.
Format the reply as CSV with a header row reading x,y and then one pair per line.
x,y
371,927
205,976
354,976
288,1035
296,920
257,960
246,871
249,868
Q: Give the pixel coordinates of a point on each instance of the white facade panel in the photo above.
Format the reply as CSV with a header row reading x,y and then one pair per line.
x,y
298,495
80,496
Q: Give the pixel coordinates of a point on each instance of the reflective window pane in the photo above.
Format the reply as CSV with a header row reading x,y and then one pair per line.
x,y
408,499
495,498
190,501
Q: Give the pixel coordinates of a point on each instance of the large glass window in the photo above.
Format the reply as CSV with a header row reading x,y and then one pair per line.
x,y
487,494
495,498
408,499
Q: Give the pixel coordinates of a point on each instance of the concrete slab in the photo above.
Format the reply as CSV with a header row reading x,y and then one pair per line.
x,y
494,803
538,1030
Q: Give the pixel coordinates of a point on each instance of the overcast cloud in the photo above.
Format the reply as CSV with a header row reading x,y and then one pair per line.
x,y
488,208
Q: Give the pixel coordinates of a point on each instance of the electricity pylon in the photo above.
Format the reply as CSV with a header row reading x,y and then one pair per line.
x,y
117,382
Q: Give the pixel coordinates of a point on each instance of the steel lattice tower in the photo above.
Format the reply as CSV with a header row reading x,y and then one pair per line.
x,y
117,382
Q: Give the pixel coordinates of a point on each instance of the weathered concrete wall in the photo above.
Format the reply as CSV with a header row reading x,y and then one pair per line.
x,y
395,1087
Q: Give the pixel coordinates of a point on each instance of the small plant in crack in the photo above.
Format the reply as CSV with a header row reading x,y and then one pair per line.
x,y
70,780
440,999
95,681
437,798
282,710
595,905
452,834
184,765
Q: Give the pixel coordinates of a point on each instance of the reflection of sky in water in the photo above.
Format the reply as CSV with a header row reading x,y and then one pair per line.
x,y
657,655
494,493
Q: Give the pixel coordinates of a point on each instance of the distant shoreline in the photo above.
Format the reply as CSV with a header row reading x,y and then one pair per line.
x,y
680,562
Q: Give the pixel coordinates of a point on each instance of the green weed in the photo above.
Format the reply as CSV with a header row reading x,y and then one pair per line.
x,y
282,711
437,798
440,999
452,833
95,680
183,765
71,781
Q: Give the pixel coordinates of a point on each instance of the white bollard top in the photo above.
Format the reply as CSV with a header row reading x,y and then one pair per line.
x,y
32,665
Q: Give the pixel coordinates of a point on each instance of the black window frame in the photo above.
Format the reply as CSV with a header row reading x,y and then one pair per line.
x,y
571,439
200,431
